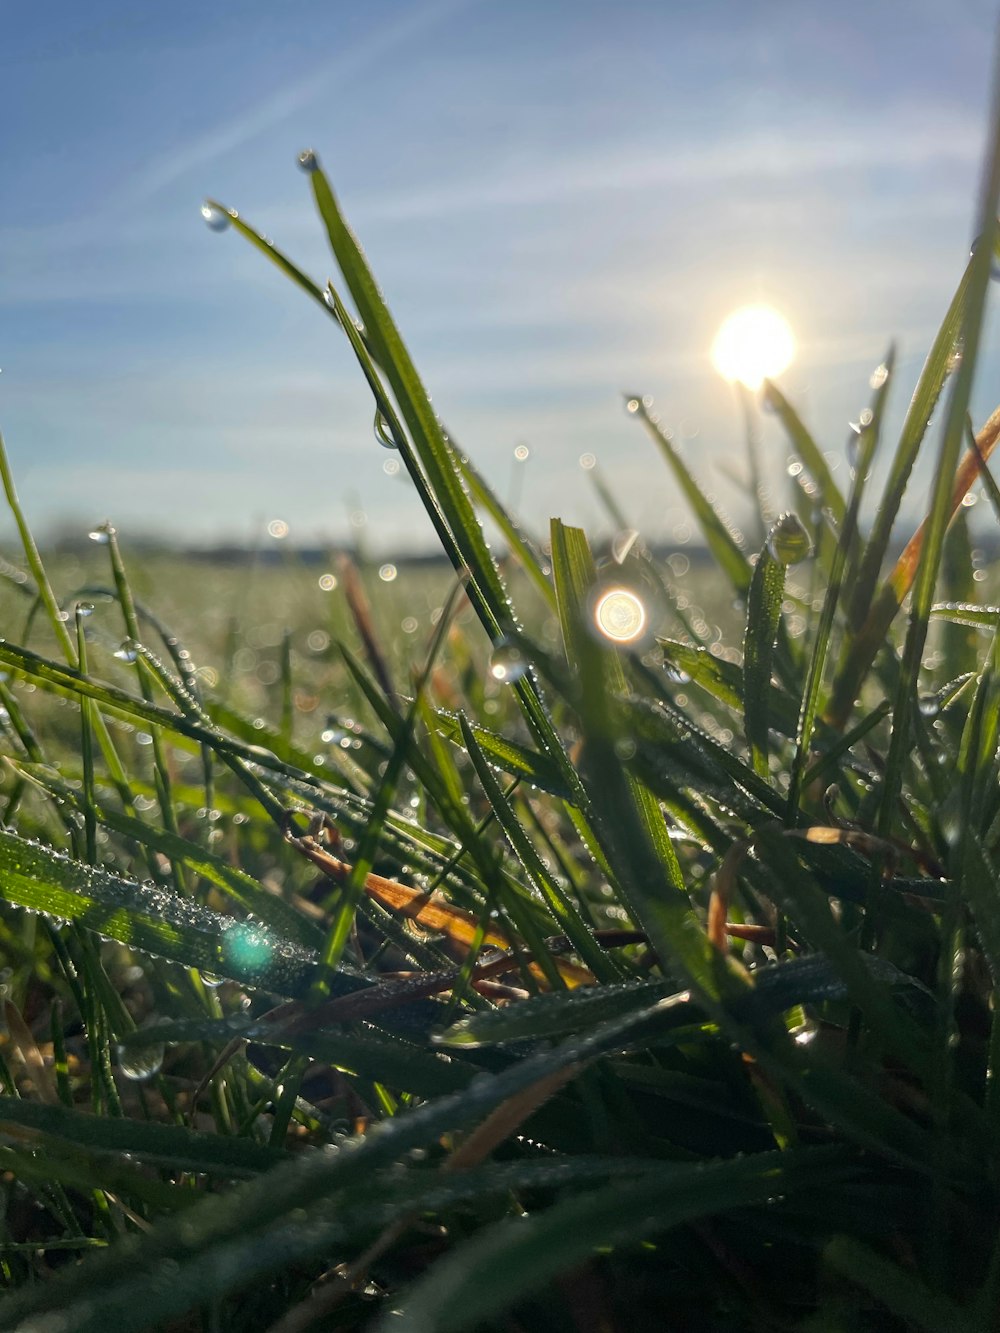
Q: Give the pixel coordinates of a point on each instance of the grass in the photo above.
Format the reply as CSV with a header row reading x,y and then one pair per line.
x,y
521,945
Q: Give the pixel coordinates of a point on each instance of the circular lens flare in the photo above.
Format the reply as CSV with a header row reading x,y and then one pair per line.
x,y
754,343
620,615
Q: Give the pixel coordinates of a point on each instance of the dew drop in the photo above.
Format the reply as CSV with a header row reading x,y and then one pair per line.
x,y
278,529
632,405
308,161
327,582
387,573
84,609
128,652
522,453
216,218
383,431
507,662
879,376
140,1062
587,462
929,705
788,542
102,534
994,267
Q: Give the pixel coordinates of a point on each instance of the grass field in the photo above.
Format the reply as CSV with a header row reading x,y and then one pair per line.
x,y
586,938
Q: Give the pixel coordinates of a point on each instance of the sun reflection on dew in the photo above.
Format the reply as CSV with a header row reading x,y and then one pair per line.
x,y
620,615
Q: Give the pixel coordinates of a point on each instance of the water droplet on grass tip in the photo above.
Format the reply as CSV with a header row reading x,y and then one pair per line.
x,y
632,405
308,161
216,219
522,453
101,534
929,705
84,609
128,652
507,662
788,542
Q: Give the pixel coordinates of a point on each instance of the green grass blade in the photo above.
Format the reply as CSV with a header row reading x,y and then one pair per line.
x,y
159,1145
152,920
523,1255
564,912
720,541
767,588
808,451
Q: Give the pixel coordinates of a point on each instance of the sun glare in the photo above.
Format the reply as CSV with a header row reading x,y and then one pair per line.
x,y
755,343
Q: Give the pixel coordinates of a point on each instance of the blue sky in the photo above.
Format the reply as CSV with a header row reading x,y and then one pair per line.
x,y
561,201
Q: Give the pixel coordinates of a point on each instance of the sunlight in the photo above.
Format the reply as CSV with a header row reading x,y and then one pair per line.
x,y
755,343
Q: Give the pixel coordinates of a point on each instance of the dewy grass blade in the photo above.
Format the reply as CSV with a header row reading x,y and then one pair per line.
x,y
626,816
767,588
563,911
368,847
808,451
445,491
721,542
153,920
940,363
943,495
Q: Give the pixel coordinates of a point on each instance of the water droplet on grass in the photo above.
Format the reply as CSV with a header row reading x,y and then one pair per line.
x,y
388,573
128,652
216,219
507,662
522,453
994,266
141,1062
788,542
929,705
587,462
383,431
102,534
84,609
308,161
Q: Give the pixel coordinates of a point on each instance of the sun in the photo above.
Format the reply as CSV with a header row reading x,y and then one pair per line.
x,y
755,343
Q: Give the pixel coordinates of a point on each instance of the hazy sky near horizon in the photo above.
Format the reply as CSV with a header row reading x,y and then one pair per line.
x,y
561,201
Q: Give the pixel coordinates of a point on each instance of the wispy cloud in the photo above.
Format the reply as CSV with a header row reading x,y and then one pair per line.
x,y
365,54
